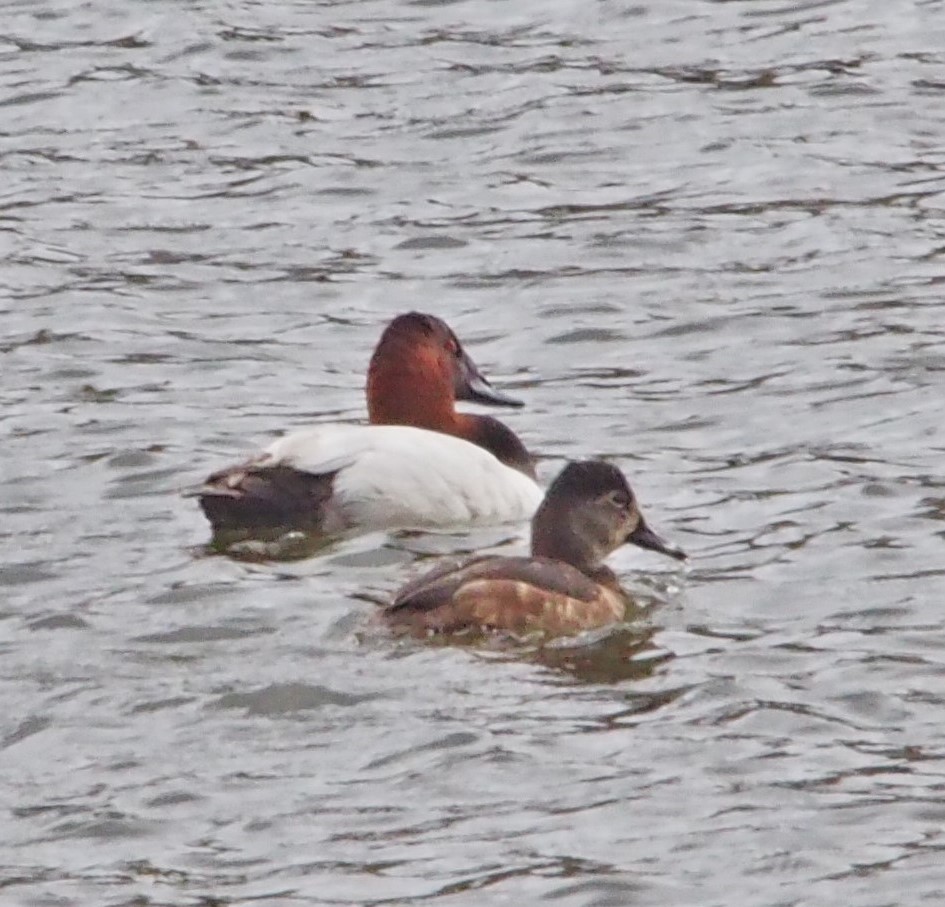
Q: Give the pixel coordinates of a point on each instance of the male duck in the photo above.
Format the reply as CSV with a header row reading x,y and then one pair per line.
x,y
564,587
420,464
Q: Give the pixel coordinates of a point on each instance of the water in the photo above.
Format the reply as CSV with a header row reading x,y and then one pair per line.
x,y
703,239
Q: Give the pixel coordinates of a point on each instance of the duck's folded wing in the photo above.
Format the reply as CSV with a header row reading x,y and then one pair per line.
x,y
430,589
444,581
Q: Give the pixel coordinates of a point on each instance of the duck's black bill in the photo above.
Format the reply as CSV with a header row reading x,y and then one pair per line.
x,y
644,537
474,387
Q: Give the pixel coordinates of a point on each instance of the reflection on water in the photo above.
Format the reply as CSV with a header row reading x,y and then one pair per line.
x,y
628,653
703,240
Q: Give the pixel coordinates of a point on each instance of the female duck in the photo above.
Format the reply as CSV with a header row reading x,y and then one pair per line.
x,y
564,587
420,464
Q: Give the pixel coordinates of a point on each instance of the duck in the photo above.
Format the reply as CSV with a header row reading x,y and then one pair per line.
x,y
561,589
420,464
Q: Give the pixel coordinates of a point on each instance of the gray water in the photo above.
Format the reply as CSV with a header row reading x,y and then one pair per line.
x,y
702,239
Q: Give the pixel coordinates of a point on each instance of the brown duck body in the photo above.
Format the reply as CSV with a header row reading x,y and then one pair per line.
x,y
518,594
562,588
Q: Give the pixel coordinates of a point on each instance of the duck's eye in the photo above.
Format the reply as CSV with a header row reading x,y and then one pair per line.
x,y
619,499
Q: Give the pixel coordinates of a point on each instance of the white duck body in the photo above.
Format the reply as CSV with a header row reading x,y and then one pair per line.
x,y
399,477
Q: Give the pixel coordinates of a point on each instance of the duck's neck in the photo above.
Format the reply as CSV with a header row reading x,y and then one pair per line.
x,y
418,411
604,576
498,439
555,536
409,391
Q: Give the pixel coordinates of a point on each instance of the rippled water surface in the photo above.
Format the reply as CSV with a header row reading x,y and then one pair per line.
x,y
703,239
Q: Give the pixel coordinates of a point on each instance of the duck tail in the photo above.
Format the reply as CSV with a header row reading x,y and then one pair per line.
x,y
245,498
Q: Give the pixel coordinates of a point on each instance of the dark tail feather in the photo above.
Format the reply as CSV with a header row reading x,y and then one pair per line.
x,y
247,498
